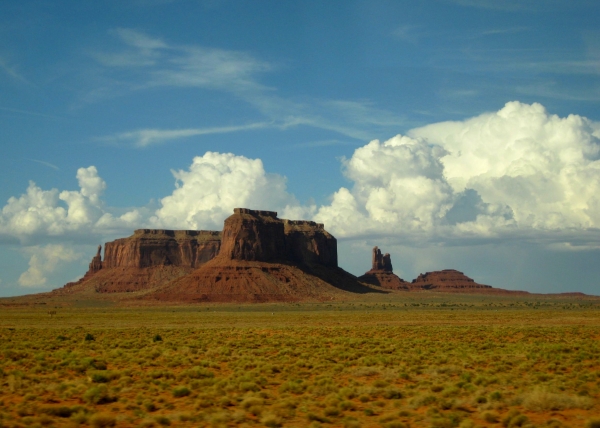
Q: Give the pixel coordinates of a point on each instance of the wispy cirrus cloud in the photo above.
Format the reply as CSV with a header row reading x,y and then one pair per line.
x,y
151,137
48,164
152,62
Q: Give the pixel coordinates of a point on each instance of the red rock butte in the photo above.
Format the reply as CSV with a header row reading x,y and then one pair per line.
x,y
257,257
382,273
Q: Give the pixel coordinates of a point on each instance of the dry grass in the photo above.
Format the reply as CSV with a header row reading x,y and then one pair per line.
x,y
313,365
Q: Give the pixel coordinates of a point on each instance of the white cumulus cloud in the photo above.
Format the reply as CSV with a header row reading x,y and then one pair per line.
x,y
39,212
398,186
516,172
214,184
544,167
43,261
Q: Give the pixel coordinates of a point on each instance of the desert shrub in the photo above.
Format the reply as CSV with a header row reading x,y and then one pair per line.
x,y
98,395
163,420
198,373
150,406
79,417
181,391
331,411
249,386
495,396
157,338
270,420
395,424
251,401
392,393
423,400
317,418
104,376
541,400
348,393
88,338
514,418
441,422
491,417
60,411
295,387
102,420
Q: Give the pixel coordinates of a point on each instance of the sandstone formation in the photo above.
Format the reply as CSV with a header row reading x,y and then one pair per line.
x,y
381,273
257,257
446,280
149,258
264,258
157,247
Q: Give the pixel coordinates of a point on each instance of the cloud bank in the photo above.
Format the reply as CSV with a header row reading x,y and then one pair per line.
x,y
45,260
518,172
515,174
204,195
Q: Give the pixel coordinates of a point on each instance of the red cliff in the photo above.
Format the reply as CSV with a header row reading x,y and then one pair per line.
x,y
157,247
264,258
257,257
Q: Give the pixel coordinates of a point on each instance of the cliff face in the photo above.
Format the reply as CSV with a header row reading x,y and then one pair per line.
x,y
309,243
264,258
254,235
257,257
156,247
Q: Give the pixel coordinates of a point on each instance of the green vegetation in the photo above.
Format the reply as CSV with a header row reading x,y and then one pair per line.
x,y
303,365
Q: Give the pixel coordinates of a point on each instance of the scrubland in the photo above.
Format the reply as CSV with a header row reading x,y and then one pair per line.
x,y
442,362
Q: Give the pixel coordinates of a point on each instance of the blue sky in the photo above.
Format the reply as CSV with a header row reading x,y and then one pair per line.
x,y
453,134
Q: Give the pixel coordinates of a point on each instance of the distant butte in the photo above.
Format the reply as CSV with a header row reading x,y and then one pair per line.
x,y
446,280
381,273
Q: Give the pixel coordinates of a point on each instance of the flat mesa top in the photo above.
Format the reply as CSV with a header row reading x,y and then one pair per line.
x,y
255,212
177,234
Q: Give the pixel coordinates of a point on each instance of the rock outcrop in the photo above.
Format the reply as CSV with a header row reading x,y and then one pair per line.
x,y
264,258
446,280
149,258
158,247
257,257
381,273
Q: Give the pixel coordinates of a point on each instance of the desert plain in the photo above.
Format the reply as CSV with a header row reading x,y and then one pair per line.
x,y
420,359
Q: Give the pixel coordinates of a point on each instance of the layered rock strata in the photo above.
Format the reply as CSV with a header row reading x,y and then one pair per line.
x,y
264,258
149,258
257,257
158,247
382,274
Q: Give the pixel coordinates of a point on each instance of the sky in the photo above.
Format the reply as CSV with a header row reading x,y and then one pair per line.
x,y
453,134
